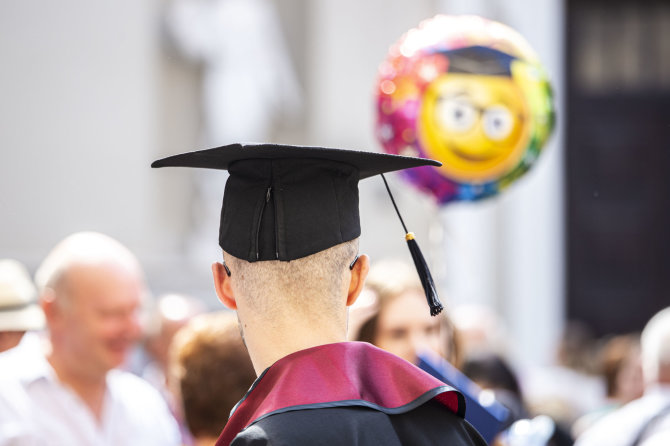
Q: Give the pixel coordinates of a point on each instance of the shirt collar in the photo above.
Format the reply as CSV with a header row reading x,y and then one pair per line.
x,y
30,361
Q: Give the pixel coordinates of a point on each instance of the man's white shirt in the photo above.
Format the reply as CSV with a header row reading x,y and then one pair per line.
x,y
622,426
36,409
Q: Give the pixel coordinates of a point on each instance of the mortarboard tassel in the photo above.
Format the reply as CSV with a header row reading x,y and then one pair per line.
x,y
419,262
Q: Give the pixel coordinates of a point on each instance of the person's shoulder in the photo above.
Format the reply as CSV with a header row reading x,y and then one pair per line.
x,y
118,377
25,361
325,426
362,426
8,365
621,424
658,439
16,405
124,384
141,407
433,423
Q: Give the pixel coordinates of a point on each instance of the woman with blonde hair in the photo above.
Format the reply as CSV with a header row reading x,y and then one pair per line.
x,y
392,316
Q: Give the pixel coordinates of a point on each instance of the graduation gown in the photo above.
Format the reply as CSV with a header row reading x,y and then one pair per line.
x,y
349,393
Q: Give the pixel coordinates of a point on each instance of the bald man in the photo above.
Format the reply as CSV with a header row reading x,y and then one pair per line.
x,y
91,289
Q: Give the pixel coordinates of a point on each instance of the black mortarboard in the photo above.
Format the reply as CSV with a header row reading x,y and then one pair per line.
x,y
286,202
479,60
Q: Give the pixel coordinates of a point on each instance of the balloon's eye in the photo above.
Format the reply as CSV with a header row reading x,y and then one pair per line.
x,y
498,122
456,115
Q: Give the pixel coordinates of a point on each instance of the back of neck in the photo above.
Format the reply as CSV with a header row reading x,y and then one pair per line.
x,y
267,345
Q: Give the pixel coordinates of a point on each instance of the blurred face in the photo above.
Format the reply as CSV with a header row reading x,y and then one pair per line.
x,y
97,322
629,381
159,345
405,326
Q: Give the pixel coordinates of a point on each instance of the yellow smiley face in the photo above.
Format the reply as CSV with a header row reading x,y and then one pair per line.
x,y
477,125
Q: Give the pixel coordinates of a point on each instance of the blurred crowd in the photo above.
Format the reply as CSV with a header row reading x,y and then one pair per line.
x,y
89,357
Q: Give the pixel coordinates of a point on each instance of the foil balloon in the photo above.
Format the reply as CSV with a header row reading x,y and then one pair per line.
x,y
471,93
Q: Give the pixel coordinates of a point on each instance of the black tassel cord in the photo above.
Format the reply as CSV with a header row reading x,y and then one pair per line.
x,y
419,262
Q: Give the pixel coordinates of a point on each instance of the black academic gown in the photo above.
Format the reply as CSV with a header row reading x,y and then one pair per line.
x,y
348,394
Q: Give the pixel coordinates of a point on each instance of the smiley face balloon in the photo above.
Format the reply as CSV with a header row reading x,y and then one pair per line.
x,y
470,93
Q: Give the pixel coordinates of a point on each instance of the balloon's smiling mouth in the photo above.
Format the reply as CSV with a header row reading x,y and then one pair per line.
x,y
469,156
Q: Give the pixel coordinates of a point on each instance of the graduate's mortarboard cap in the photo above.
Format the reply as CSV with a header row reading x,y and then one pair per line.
x,y
479,60
285,202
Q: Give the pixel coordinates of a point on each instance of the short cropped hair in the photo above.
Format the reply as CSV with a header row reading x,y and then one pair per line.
x,y
211,369
310,285
655,344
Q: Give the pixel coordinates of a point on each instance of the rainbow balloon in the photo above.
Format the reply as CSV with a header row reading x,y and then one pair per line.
x,y
471,93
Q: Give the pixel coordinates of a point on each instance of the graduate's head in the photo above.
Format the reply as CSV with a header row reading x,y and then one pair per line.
x,y
290,221
315,289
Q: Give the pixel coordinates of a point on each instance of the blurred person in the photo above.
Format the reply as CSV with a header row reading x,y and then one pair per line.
x,y
578,349
621,368
658,439
646,420
550,389
390,318
210,371
480,329
393,319
19,310
494,374
71,394
169,313
289,234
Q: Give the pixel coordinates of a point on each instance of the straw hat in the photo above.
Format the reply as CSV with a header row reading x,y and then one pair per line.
x,y
19,310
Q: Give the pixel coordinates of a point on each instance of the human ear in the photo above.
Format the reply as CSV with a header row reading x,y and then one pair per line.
x,y
48,304
359,272
223,285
